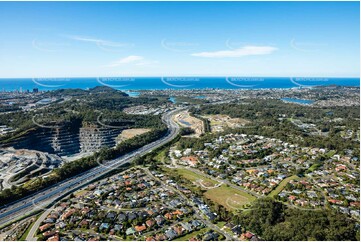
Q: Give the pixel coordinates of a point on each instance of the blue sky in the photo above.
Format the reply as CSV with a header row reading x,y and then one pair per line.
x,y
282,39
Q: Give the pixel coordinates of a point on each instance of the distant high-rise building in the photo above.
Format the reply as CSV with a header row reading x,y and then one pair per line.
x,y
35,90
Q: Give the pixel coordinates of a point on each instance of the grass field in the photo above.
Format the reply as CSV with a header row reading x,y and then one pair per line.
x,y
25,234
279,188
161,156
80,193
330,153
130,133
314,167
229,197
194,177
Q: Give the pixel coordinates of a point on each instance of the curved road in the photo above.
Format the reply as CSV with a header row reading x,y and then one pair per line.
x,y
38,200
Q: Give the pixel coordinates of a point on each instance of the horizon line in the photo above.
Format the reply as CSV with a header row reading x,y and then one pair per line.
x,y
199,76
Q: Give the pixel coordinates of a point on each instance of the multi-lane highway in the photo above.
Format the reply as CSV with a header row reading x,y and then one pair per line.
x,y
38,200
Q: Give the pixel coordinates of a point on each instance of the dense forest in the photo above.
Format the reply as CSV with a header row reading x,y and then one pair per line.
x,y
274,221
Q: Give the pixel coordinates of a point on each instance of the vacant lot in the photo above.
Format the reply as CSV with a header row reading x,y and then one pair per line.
x,y
80,193
130,133
185,120
197,178
229,197
218,122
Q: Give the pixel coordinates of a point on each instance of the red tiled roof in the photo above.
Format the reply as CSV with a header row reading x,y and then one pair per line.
x,y
150,222
168,216
140,228
45,227
177,212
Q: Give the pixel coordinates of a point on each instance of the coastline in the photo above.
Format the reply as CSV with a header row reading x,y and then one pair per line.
x,y
137,84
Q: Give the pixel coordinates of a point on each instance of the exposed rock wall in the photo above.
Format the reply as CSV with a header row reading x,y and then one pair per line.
x,y
93,138
67,139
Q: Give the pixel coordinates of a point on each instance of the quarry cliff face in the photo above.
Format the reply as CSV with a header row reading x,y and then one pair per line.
x,y
67,139
41,149
93,138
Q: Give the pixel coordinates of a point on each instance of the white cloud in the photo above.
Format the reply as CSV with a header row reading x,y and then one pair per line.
x,y
127,60
38,46
239,52
100,42
86,39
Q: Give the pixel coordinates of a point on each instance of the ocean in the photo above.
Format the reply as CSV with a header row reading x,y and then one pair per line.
x,y
160,83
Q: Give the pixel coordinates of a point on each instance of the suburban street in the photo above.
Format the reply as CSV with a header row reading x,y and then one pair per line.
x,y
198,213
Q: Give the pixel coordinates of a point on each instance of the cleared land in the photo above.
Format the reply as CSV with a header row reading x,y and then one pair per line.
x,y
194,177
230,198
80,193
185,120
218,122
279,188
130,133
197,178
